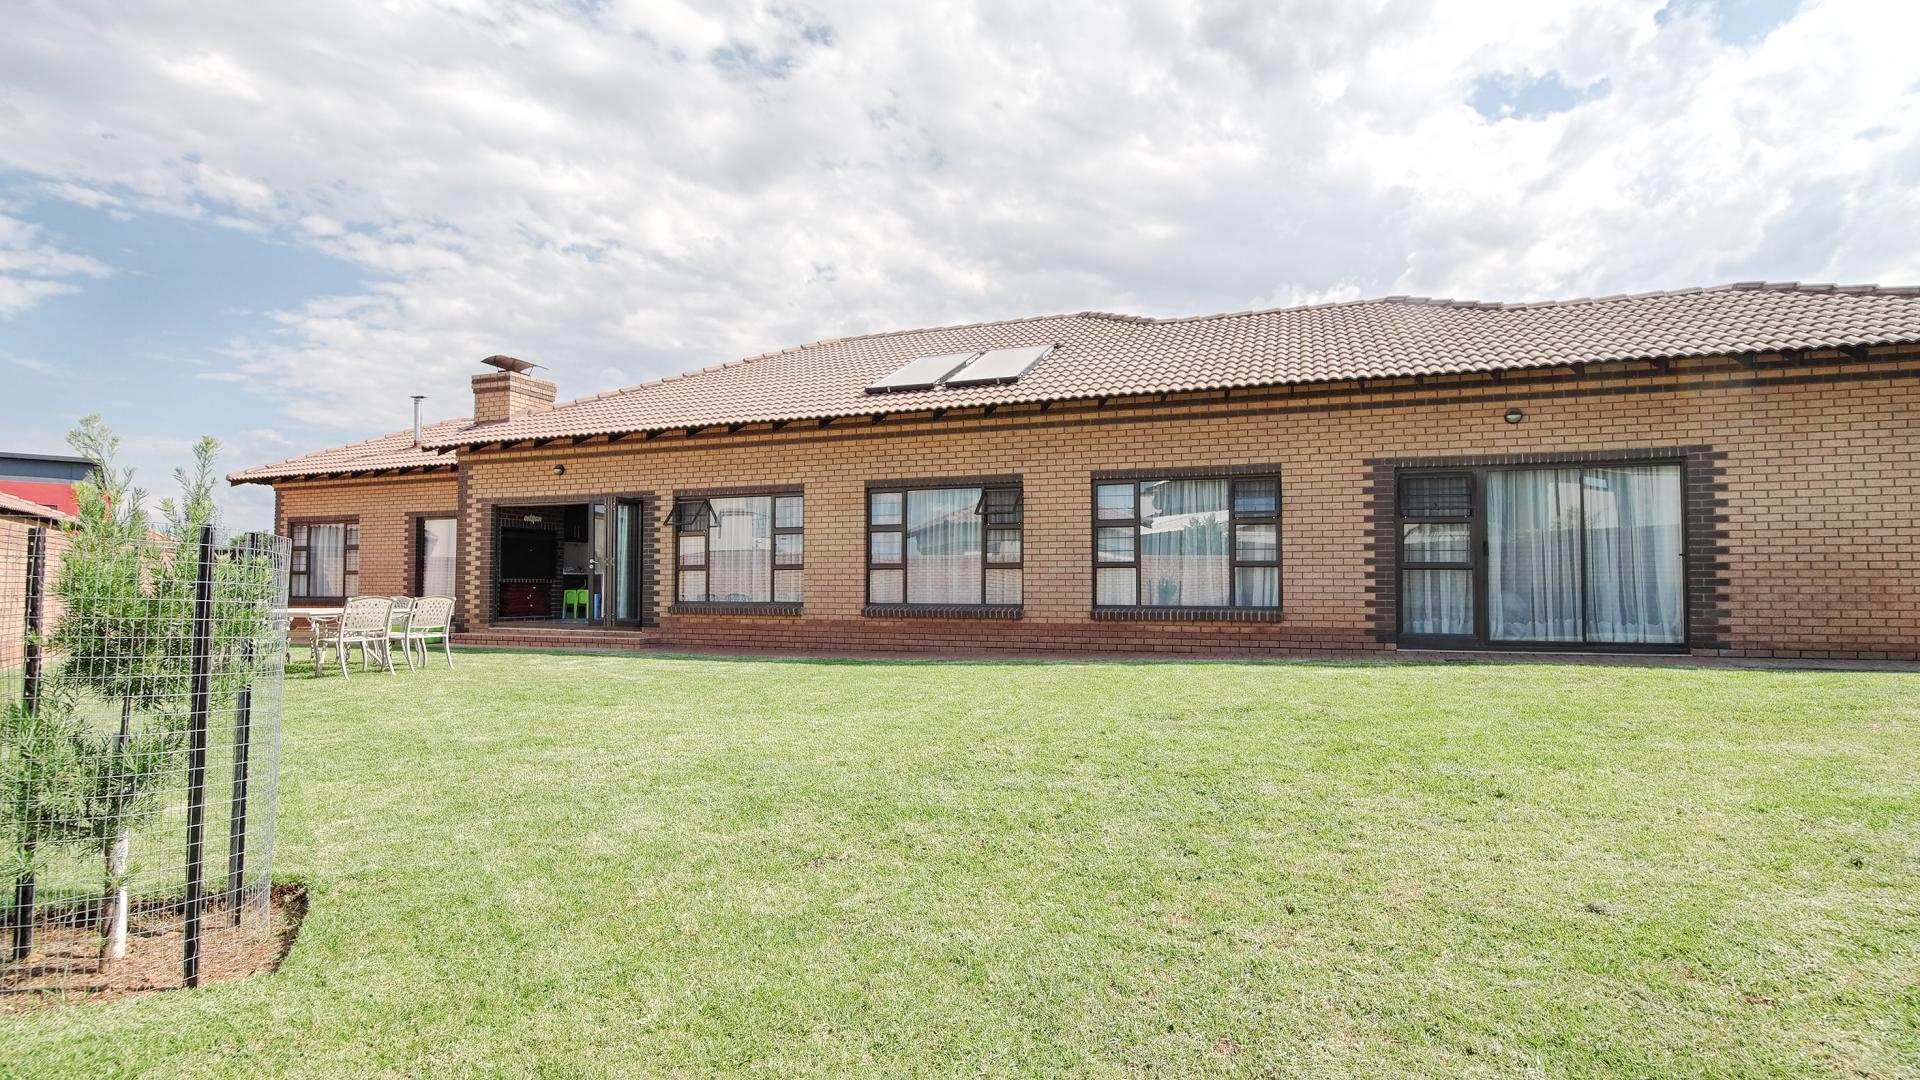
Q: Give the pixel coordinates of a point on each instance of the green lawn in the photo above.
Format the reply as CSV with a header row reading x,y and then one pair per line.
x,y
573,865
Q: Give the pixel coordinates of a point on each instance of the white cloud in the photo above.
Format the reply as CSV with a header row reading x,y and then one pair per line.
x,y
33,268
622,190
33,364
18,294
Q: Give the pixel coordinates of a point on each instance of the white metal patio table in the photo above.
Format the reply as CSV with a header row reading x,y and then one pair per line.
x,y
316,617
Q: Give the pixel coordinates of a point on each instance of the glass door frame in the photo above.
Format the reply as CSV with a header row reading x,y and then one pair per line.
x,y
620,568
1481,640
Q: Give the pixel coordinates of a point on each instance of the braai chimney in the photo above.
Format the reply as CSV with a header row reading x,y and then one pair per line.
x,y
417,399
510,391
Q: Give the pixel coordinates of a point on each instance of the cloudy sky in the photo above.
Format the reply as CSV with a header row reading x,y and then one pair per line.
x,y
272,223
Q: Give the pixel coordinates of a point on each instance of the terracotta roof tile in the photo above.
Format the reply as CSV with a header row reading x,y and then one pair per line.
x,y
1102,354
392,451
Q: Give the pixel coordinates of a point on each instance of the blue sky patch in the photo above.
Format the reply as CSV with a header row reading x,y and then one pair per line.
x,y
745,61
1737,22
135,347
1507,95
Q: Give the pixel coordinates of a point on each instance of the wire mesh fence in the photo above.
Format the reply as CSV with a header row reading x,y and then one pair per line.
x,y
140,686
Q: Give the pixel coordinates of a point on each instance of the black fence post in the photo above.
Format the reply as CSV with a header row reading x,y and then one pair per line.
x,y
23,886
201,652
250,549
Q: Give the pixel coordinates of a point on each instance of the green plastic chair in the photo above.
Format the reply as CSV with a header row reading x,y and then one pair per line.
x,y
574,600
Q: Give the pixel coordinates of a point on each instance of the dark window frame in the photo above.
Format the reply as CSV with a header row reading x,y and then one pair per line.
x,y
1478,542
1475,563
349,558
696,507
1013,517
1232,609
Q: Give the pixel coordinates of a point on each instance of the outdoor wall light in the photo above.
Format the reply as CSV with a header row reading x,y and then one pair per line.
x,y
559,470
1514,416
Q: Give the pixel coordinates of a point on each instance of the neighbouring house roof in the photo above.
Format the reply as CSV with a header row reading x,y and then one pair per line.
x,y
1098,354
19,466
12,505
394,452
57,494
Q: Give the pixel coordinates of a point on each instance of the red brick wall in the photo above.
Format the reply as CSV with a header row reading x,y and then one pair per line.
x,y
1814,463
14,532
386,508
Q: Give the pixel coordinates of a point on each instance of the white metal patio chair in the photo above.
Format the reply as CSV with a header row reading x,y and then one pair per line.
x,y
402,606
366,621
429,621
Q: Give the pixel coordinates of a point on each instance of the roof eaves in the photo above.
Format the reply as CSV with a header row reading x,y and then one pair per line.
x,y
267,474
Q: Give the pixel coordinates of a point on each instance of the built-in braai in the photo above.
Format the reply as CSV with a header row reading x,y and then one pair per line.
x,y
568,564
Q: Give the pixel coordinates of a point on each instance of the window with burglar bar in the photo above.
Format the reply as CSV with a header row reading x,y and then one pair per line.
x,y
1187,542
935,546
326,561
740,549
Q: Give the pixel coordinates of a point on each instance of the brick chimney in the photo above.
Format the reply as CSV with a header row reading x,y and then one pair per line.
x,y
510,391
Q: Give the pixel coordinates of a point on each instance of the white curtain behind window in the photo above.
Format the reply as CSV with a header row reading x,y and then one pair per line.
x,y
1533,555
1634,546
944,546
1183,544
740,550
326,560
436,556
1437,602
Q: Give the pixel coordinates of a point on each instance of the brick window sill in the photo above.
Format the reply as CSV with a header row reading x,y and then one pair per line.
x,y
1187,614
941,611
726,608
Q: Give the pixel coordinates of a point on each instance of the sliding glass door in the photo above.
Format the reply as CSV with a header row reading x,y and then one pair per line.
x,y
1635,580
1533,555
1562,555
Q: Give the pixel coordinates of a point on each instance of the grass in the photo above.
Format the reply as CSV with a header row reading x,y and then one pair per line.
x,y
570,865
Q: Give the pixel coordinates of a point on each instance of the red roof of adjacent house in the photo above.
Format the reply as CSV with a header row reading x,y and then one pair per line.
x,y
12,505
1098,354
55,494
387,452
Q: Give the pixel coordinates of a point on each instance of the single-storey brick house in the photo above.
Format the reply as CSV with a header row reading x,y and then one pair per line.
x,y
1716,471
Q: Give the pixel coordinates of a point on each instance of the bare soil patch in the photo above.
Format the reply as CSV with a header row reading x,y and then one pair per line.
x,y
65,967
